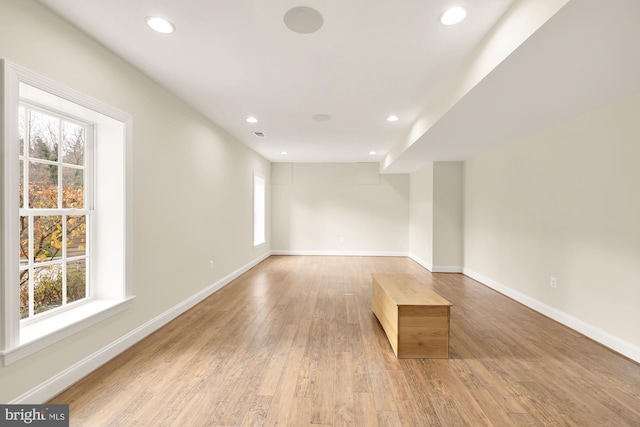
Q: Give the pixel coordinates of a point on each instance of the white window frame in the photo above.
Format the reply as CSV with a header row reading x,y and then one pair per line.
x,y
259,210
111,281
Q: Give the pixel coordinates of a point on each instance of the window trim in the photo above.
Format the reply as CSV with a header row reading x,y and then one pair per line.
x,y
37,335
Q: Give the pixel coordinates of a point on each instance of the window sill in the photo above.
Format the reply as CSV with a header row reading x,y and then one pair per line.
x,y
38,335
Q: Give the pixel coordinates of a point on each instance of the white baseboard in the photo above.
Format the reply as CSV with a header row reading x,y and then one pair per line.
x,y
338,253
605,338
446,269
436,268
422,262
69,376
74,373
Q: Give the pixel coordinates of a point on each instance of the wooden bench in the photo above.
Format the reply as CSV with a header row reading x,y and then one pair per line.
x,y
415,318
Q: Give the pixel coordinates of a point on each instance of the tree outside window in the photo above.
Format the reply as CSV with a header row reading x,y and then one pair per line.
x,y
53,213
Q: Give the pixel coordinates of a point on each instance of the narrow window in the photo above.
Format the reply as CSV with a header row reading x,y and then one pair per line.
x,y
258,210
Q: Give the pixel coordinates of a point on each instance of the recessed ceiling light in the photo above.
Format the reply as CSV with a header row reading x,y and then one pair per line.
x,y
284,153
392,118
160,25
303,20
372,152
453,16
252,119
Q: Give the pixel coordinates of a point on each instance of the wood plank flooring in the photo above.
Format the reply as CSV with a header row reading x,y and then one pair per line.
x,y
294,342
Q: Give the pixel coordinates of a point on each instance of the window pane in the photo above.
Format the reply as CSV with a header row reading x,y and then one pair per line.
x,y
43,136
72,143
76,280
47,238
24,293
21,128
43,185
21,184
76,235
24,240
72,188
47,288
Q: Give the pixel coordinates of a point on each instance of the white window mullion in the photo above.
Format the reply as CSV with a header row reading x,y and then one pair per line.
x,y
59,162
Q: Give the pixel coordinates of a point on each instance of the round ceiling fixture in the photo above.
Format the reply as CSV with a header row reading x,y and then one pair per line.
x,y
393,118
453,16
160,25
303,20
322,117
251,119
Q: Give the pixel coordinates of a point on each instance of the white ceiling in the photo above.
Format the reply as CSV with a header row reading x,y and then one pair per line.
x,y
586,55
234,59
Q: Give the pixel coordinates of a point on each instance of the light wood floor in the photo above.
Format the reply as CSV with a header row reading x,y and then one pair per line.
x,y
294,342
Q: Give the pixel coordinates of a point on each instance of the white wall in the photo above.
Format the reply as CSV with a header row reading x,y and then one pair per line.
x,y
192,185
421,216
436,229
564,203
333,208
447,217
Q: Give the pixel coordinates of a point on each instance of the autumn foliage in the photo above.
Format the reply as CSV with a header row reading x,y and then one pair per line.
x,y
52,253
47,248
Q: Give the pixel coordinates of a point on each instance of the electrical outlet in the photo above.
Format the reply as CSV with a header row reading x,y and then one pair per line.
x,y
211,265
553,282
342,239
